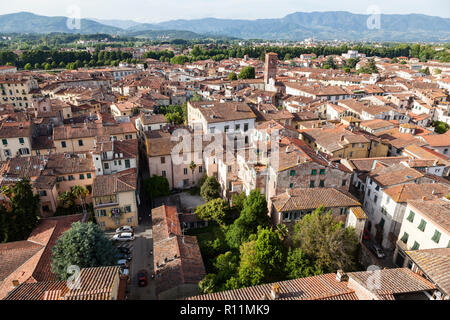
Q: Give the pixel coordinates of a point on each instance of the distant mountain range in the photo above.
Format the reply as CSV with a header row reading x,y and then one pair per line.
x,y
297,26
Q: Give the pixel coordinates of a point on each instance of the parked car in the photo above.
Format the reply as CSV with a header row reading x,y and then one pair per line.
x,y
124,250
124,271
122,263
124,236
122,255
124,229
142,278
366,235
379,251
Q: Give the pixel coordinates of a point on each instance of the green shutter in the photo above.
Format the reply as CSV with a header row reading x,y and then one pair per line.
x,y
21,140
422,225
5,141
410,217
436,236
314,172
311,184
405,238
322,171
292,173
415,246
89,175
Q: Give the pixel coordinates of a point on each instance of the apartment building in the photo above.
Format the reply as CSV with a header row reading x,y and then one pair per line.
x,y
115,202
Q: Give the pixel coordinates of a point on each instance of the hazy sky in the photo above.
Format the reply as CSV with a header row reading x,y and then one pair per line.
x,y
163,10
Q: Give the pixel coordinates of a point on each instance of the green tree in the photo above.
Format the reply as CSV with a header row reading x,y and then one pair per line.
x,y
226,265
440,127
253,215
179,59
232,76
247,73
23,211
67,199
84,245
157,186
269,255
207,284
217,210
28,66
298,265
81,193
210,189
326,241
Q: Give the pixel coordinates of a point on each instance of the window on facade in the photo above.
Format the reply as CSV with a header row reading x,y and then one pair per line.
x,y
185,171
377,188
422,225
43,193
291,185
292,173
226,128
245,127
322,183
71,178
81,176
5,142
313,172
436,237
101,213
21,140
322,171
200,169
375,199
405,238
381,224
89,188
415,246
127,163
230,168
311,184
410,216
286,216
163,160
163,173
127,208
344,182
237,127
80,142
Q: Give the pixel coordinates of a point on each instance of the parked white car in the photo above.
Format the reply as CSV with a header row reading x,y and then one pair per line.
x,y
123,236
124,229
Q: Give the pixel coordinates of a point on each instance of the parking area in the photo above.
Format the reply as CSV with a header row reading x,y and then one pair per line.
x,y
142,259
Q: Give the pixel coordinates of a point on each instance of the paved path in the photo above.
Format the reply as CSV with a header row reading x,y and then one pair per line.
x,y
142,246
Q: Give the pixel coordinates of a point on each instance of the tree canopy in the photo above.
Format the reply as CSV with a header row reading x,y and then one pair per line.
x,y
21,215
247,73
84,245
210,189
322,238
157,186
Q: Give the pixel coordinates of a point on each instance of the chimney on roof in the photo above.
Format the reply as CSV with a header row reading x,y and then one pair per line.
x,y
341,276
275,291
15,283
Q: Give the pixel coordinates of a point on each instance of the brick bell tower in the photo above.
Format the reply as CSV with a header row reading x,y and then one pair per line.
x,y
270,67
